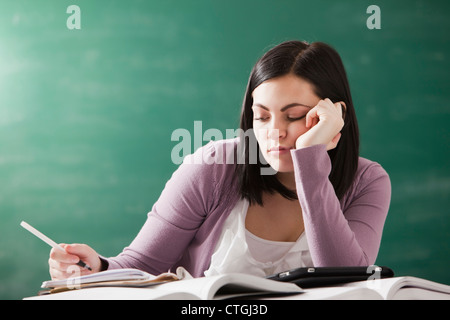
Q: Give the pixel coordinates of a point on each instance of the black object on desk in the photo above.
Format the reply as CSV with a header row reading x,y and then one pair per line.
x,y
310,277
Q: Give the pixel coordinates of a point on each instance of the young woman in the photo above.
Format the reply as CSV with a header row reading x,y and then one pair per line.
x,y
322,204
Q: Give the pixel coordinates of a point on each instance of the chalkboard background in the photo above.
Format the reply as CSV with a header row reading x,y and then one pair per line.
x,y
86,116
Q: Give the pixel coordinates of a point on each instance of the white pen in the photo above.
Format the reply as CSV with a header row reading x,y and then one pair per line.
x,y
50,242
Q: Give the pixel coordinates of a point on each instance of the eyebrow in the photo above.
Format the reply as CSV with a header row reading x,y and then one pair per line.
x,y
291,105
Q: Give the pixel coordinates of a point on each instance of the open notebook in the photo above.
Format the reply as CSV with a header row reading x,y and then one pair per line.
x,y
115,278
136,284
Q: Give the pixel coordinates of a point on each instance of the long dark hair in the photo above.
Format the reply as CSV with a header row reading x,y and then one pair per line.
x,y
320,65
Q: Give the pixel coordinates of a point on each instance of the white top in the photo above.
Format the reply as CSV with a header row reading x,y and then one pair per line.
x,y
238,250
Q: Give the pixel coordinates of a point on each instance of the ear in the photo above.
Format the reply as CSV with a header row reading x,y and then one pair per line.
x,y
344,109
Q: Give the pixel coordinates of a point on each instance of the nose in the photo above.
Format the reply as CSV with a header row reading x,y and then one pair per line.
x,y
273,134
276,130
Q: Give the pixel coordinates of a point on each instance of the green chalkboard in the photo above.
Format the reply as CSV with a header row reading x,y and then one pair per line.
x,y
86,115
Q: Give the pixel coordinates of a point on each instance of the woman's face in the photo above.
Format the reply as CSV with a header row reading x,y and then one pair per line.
x,y
279,109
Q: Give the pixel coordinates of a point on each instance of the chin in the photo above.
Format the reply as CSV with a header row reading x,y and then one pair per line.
x,y
282,166
285,170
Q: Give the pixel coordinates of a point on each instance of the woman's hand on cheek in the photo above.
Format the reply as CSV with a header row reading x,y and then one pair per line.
x,y
324,123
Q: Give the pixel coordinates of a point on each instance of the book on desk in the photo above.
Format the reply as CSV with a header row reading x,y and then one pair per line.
x,y
131,284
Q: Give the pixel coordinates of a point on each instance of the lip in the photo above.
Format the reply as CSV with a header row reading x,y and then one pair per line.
x,y
279,150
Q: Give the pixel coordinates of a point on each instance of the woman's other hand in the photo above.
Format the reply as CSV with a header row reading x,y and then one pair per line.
x,y
325,121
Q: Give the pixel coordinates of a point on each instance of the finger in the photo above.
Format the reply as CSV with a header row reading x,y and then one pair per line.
x,y
56,264
321,107
334,142
69,272
328,102
312,114
63,256
314,122
336,138
63,267
339,108
63,271
343,109
79,250
57,274
58,270
85,253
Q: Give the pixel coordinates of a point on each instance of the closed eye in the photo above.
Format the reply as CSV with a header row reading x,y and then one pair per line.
x,y
261,119
296,118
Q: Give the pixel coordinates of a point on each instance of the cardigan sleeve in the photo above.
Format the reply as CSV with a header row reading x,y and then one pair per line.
x,y
341,235
172,223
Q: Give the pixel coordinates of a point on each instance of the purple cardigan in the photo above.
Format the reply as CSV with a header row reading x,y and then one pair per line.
x,y
186,221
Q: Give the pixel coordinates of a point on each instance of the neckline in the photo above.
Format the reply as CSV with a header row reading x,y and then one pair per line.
x,y
272,242
266,241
